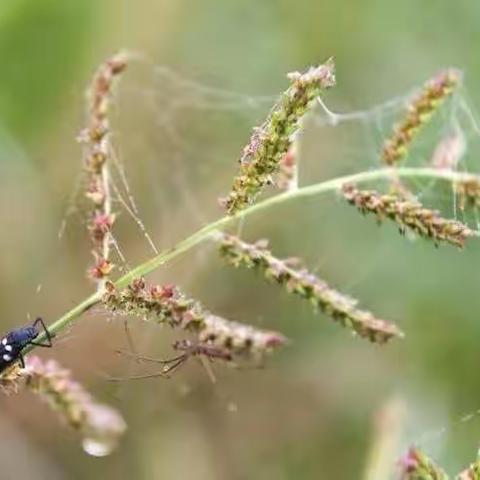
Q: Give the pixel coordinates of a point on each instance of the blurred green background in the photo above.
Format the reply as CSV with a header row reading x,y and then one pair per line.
x,y
179,129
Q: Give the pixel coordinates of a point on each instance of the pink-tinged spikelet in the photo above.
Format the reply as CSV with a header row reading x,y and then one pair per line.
x,y
96,141
419,112
415,465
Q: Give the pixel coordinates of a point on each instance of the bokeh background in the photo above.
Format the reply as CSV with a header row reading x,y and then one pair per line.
x,y
203,74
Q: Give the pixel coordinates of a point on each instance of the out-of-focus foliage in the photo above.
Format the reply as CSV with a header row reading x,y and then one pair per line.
x,y
42,47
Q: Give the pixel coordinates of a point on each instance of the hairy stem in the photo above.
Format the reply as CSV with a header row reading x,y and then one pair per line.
x,y
204,233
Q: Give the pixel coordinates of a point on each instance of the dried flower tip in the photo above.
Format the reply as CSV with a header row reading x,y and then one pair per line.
x,y
270,142
167,304
300,282
409,215
98,97
101,89
415,465
468,192
99,425
449,151
101,269
419,112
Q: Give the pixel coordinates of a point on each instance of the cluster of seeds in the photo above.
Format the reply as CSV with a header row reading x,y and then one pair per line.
x,y
270,142
336,305
97,151
167,304
419,112
408,215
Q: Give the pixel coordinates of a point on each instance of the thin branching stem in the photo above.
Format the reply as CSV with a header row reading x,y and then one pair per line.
x,y
205,233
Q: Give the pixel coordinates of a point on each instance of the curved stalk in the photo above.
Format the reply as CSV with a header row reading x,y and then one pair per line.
x,y
204,233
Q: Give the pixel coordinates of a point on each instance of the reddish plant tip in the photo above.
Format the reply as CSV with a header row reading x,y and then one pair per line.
x,y
101,225
103,221
162,291
409,462
101,269
415,465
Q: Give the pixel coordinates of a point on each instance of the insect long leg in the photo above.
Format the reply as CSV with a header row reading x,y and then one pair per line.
x,y
22,360
189,349
137,377
144,358
48,343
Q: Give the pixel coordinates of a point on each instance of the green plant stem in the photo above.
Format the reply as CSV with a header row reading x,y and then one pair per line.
x,y
204,233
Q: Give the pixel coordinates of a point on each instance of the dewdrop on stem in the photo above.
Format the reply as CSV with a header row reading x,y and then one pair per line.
x,y
108,427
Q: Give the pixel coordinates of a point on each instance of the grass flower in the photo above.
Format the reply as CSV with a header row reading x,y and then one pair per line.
x,y
408,215
271,141
95,138
336,305
419,112
167,304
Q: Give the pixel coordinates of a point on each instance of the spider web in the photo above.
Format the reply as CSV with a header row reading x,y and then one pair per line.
x,y
188,120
